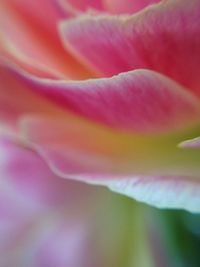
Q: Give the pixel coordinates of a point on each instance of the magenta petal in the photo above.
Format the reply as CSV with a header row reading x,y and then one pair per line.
x,y
127,6
163,38
112,6
140,101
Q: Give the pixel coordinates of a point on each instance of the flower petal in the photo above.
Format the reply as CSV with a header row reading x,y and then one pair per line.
x,y
162,192
30,39
75,146
17,99
77,150
24,173
192,143
127,6
141,101
83,5
47,221
163,38
76,7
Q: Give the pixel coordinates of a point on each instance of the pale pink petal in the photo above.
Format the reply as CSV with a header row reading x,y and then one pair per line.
x,y
26,180
48,221
77,150
164,38
24,172
192,143
30,38
162,192
127,6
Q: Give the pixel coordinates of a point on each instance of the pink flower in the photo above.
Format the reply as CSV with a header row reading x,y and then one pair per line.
x,y
95,97
125,131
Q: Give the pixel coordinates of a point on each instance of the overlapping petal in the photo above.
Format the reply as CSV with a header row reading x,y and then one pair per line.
x,y
163,38
75,7
141,101
192,143
17,99
82,5
162,192
108,131
30,38
106,162
47,221
71,150
82,148
127,6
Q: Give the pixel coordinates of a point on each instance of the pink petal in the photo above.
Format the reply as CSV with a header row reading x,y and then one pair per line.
x,y
192,143
127,6
47,221
30,38
162,192
76,7
77,150
164,38
83,5
78,146
25,174
140,101
42,191
17,99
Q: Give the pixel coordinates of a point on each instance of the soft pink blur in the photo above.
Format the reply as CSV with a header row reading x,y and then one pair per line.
x,y
101,92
